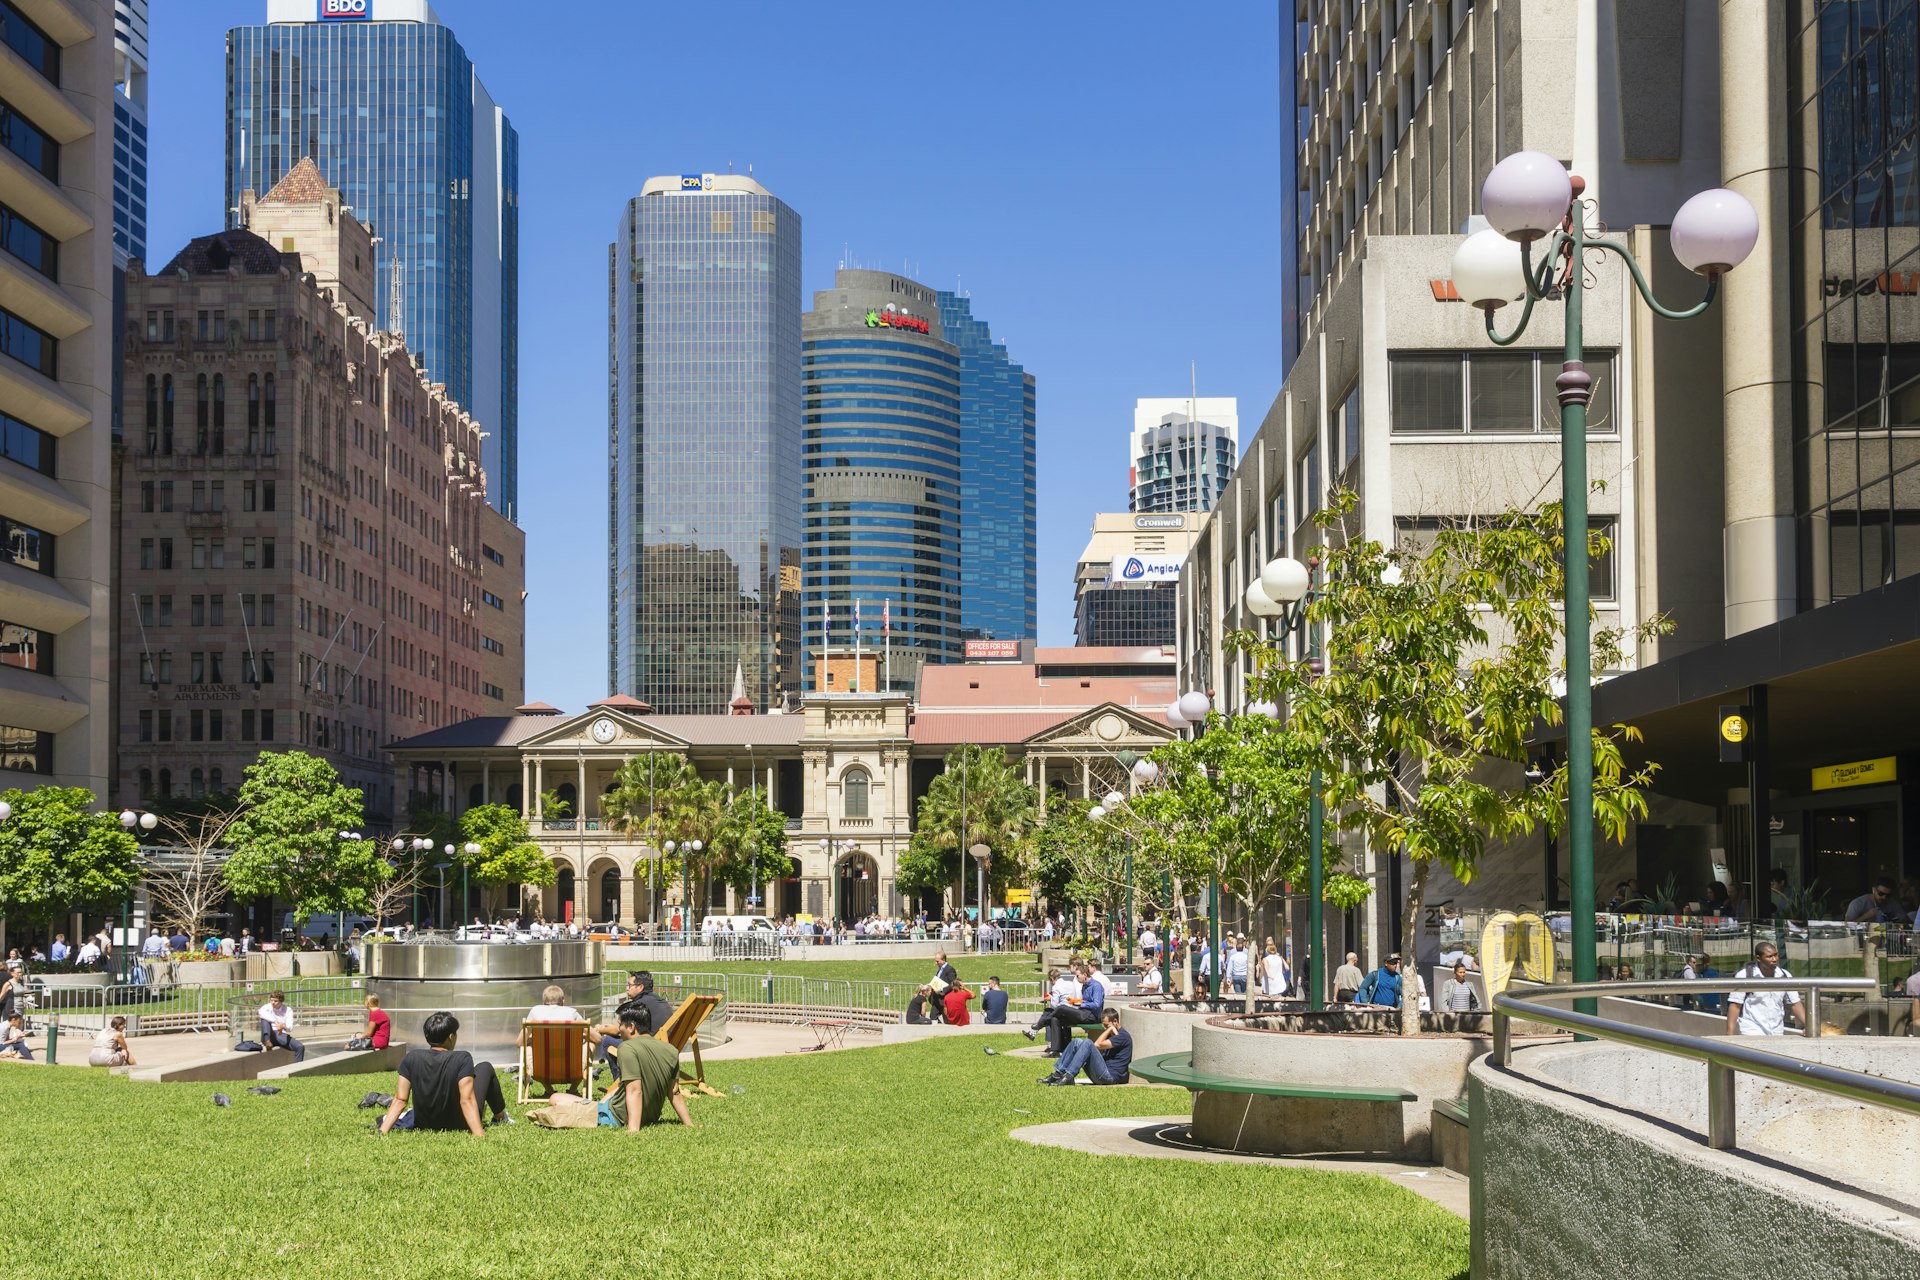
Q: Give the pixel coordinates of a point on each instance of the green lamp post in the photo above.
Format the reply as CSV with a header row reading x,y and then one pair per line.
x,y
1537,251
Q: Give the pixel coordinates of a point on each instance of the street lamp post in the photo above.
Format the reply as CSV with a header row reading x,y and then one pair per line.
x,y
472,850
1529,197
1192,708
340,916
128,820
1284,590
981,856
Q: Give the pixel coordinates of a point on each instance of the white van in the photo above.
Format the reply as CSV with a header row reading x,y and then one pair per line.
x,y
735,924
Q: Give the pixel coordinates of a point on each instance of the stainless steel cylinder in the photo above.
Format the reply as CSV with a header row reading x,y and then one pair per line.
x,y
488,986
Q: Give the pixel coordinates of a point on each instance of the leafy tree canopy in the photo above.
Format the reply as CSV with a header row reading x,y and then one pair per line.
x,y
56,853
507,854
286,843
979,798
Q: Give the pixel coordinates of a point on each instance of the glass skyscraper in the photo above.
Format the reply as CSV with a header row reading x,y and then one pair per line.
x,y
386,102
704,458
999,530
129,132
882,448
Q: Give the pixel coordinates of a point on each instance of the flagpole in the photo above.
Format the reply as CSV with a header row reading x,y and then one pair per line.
x,y
856,644
886,629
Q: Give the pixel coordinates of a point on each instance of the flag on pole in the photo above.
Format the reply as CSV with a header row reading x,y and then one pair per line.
x,y
886,616
856,644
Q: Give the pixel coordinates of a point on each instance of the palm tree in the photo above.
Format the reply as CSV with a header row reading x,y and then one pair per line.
x,y
977,799
643,795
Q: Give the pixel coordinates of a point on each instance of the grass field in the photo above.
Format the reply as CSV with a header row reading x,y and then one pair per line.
x,y
872,1162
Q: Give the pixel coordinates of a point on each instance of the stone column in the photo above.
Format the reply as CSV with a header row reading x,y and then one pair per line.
x,y
1756,320
449,802
580,801
539,786
628,891
526,787
486,781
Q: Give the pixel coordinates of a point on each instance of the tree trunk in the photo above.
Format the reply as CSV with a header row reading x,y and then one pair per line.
x,y
1255,958
1409,961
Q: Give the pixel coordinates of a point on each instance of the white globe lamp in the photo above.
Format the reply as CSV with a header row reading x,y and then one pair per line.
x,y
1096,813
1714,232
1145,772
1488,272
1285,580
1194,706
1259,603
1174,715
1526,196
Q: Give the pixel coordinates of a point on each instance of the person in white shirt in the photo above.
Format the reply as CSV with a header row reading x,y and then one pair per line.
x,y
553,1007
89,952
1274,979
1149,940
1763,1013
276,1027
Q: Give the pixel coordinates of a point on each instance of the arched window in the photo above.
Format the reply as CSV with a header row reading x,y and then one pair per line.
x,y
196,784
253,413
853,793
267,444
153,413
166,783
200,410
146,775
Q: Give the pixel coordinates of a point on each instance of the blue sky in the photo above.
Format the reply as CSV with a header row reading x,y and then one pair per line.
x,y
1103,180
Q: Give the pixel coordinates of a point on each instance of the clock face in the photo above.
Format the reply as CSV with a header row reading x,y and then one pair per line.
x,y
605,730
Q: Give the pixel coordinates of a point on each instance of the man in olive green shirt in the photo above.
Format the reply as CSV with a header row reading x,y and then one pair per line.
x,y
649,1078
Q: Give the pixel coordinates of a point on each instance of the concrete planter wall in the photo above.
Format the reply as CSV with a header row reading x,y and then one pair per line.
x,y
281,964
1589,1159
191,973
54,981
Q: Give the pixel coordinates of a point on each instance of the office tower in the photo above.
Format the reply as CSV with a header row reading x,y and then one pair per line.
x,y
385,100
328,581
129,130
1181,453
1124,584
704,460
56,332
882,450
999,532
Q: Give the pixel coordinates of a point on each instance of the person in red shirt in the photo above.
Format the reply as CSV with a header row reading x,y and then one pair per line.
x,y
956,1004
379,1032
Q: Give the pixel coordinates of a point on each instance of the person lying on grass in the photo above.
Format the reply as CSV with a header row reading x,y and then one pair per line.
x,y
445,1085
649,1077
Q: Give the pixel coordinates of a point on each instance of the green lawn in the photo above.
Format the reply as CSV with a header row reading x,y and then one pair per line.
x,y
885,1161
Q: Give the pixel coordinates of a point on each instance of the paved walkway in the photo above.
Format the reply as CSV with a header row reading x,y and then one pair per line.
x,y
1166,1138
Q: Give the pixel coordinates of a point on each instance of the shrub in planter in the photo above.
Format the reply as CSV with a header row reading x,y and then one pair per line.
x,y
36,968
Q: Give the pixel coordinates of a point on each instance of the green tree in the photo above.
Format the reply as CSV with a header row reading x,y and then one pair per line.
x,y
507,854
285,840
641,802
749,846
696,810
56,854
977,799
1438,665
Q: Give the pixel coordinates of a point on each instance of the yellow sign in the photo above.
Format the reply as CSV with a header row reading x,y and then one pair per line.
x,y
1019,895
1734,728
1858,774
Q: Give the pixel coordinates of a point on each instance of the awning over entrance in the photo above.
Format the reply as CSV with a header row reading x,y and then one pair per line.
x,y
1843,684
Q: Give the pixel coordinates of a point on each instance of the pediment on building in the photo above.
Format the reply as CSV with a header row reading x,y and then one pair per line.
x,y
603,731
1108,727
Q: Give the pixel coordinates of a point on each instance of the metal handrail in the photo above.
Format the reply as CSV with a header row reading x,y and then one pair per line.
x,y
1722,1057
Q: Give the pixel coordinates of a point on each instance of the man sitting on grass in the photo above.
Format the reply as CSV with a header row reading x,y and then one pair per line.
x,y
639,996
445,1085
993,1003
648,1077
1107,1058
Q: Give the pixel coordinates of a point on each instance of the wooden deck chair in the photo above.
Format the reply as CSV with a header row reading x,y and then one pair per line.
x,y
683,1029
555,1054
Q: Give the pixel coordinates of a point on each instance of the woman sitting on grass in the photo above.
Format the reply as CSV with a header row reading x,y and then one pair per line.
x,y
110,1046
13,1039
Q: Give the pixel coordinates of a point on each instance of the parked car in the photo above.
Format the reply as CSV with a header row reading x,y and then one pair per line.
x,y
609,932
735,924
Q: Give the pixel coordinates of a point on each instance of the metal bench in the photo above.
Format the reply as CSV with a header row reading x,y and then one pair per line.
x,y
1178,1069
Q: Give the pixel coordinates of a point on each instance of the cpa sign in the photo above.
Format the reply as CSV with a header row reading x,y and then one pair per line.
x,y
345,10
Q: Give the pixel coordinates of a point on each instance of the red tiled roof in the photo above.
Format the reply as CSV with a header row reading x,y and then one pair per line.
x,y
1020,687
623,702
303,184
950,728
1085,655
537,709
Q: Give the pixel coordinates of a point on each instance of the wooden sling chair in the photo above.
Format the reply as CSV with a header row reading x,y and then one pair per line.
x,y
683,1029
558,1055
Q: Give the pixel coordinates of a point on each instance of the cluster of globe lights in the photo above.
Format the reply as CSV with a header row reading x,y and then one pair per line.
x,y
1145,773
1526,198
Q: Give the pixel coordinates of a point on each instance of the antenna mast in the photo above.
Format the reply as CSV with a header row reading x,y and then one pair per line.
x,y
394,303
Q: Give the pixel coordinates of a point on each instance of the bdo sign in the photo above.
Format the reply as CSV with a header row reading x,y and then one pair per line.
x,y
345,10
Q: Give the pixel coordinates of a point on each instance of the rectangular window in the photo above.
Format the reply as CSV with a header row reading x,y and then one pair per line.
x,y
216,725
146,497
166,611
27,446
493,691
249,553
1346,428
1416,534
25,750
248,496
1427,395
246,725
1500,392
146,553
493,599
146,726
29,344
166,553
26,546
763,223
199,560
26,39
218,558
197,610
266,493
1306,480
266,725
266,610
196,726
25,647
492,555
266,553
166,495
491,645
33,246
30,142
721,223
146,610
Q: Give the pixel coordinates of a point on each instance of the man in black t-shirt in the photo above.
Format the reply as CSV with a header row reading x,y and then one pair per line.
x,y
445,1085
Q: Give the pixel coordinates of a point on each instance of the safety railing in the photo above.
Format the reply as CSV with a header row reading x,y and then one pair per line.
x,y
1723,1056
165,1010
803,995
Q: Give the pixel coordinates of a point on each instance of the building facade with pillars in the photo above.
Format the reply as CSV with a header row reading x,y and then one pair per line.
x,y
302,544
847,771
